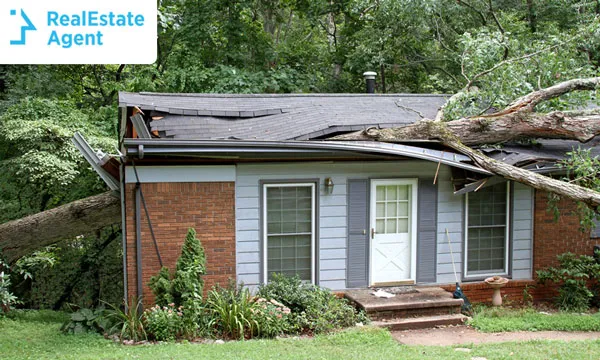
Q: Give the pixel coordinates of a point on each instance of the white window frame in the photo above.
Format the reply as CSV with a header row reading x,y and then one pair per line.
x,y
506,240
312,226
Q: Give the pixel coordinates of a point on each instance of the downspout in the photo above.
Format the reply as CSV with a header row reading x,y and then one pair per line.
x,y
138,240
124,233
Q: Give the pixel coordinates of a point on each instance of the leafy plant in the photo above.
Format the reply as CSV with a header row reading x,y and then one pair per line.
x,y
187,283
87,320
38,260
232,312
7,299
128,324
272,317
572,276
313,309
164,323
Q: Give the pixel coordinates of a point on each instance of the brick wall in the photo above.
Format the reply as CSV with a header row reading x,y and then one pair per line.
x,y
552,238
174,208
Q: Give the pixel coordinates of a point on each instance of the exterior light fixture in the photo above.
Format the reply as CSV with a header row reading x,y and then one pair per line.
x,y
328,186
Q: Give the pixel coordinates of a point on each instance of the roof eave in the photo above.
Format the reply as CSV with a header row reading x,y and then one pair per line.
x,y
149,147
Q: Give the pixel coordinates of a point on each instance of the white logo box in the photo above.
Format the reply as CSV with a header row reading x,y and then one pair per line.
x,y
78,32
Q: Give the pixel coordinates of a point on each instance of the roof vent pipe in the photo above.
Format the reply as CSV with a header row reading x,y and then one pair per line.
x,y
370,79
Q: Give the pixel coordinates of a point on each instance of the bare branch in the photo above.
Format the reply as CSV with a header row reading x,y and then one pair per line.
x,y
531,100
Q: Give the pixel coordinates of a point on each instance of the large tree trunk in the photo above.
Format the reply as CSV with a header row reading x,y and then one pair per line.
x,y
23,236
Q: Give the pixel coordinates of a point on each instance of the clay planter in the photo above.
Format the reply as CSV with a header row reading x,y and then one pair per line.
x,y
496,283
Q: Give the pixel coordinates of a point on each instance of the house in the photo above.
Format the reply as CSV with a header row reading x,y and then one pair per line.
x,y
268,190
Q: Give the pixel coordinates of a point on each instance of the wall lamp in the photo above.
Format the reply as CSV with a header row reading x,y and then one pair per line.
x,y
328,186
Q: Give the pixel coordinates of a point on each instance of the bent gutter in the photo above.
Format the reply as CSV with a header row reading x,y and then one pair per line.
x,y
145,147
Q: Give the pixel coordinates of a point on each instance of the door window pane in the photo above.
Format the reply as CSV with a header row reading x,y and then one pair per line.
x,y
486,233
392,208
289,232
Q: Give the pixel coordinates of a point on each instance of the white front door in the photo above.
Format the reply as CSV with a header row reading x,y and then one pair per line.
x,y
393,231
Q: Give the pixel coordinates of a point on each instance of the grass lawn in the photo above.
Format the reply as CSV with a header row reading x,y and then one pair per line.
x,y
490,319
35,335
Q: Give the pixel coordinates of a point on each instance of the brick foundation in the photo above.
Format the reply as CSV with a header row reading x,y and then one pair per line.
x,y
480,292
174,208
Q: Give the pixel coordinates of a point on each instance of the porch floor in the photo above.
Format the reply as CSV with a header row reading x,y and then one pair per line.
x,y
422,307
422,297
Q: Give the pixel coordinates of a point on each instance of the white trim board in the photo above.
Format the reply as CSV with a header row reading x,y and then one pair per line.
x,y
180,174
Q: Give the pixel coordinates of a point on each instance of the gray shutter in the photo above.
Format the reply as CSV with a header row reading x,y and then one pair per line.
x,y
426,231
358,234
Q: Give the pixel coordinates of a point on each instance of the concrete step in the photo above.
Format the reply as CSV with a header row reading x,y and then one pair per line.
x,y
422,322
423,302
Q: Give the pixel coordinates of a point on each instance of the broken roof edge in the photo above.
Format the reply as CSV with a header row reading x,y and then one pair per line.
x,y
190,146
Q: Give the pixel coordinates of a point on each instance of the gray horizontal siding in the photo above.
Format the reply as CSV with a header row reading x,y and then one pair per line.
x,y
522,232
332,209
450,217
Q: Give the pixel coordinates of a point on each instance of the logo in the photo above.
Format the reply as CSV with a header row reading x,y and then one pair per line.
x,y
24,29
78,32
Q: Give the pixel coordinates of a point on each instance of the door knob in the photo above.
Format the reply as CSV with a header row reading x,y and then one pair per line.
x,y
372,233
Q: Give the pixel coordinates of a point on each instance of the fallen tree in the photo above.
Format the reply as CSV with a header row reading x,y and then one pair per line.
x,y
23,236
517,121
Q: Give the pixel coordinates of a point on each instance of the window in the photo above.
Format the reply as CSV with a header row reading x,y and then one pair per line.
x,y
487,231
289,230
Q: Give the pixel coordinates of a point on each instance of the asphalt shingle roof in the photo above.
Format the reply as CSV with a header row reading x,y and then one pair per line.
x,y
278,117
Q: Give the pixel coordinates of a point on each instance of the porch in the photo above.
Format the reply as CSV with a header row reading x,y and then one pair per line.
x,y
412,307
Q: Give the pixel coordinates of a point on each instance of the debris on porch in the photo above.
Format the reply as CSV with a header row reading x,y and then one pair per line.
x,y
411,308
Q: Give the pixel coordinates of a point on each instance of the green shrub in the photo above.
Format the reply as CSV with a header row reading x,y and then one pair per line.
x,y
162,287
313,309
128,324
7,299
187,283
272,318
232,313
164,323
572,275
191,265
87,320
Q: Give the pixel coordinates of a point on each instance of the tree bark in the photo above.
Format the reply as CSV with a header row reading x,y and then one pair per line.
x,y
581,126
21,237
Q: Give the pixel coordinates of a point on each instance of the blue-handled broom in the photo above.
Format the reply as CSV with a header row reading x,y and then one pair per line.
x,y
458,293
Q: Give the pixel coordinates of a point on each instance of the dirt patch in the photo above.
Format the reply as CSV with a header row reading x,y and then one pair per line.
x,y
455,335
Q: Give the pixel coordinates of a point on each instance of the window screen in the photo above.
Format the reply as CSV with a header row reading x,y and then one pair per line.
x,y
486,230
289,230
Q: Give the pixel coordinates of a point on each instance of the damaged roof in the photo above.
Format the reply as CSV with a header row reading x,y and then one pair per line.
x,y
278,116
541,154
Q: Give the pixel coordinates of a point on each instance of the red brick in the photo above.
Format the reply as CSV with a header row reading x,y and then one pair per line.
x,y
174,208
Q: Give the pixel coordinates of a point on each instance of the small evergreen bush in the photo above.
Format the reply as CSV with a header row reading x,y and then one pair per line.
x,y
186,284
